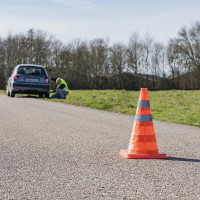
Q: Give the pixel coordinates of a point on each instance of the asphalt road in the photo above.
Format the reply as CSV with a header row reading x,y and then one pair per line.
x,y
57,151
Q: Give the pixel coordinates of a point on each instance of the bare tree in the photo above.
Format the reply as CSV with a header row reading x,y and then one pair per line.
x,y
186,49
95,64
134,53
99,60
2,65
174,64
157,58
146,59
118,62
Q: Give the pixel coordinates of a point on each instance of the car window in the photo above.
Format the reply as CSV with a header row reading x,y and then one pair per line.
x,y
37,71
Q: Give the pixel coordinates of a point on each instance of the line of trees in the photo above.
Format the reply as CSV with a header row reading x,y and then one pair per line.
x,y
96,64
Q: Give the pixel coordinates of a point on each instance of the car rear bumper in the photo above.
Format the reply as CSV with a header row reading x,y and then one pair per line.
x,y
30,88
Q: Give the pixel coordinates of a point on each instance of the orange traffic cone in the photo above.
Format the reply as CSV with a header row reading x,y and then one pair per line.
x,y
143,140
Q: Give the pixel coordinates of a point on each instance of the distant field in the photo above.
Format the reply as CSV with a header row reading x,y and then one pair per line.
x,y
178,106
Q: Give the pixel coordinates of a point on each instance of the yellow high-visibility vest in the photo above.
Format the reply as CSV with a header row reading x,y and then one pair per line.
x,y
63,82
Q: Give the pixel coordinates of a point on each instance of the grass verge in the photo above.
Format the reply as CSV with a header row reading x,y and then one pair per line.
x,y
2,91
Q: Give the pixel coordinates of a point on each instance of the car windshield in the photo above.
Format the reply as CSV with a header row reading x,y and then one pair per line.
x,y
31,70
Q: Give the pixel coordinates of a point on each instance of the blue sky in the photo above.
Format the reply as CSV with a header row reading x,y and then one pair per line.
x,y
88,19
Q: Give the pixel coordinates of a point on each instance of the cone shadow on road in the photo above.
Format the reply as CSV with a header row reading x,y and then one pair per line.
x,y
183,159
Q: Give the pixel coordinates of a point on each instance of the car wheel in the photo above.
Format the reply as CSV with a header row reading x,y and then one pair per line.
x,y
47,95
12,94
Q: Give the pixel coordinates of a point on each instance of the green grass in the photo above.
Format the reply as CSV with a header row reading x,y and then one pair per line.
x,y
178,106
2,91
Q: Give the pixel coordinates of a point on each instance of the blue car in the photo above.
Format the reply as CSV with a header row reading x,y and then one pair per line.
x,y
28,79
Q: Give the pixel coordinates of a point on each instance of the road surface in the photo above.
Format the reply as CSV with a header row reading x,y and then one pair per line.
x,y
57,151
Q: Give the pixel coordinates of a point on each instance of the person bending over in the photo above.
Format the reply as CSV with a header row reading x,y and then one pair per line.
x,y
62,89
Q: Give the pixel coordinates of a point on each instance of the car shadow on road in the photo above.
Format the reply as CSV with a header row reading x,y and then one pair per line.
x,y
28,96
183,159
